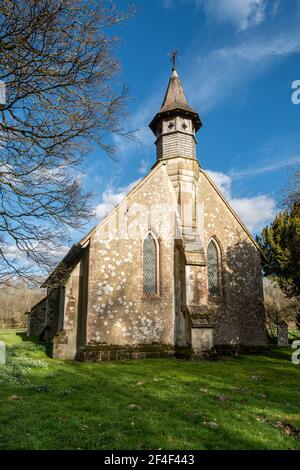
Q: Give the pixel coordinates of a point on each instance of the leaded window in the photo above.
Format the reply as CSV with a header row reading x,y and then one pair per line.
x,y
213,269
150,265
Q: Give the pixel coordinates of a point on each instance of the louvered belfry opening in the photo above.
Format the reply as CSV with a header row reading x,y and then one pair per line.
x,y
150,265
213,269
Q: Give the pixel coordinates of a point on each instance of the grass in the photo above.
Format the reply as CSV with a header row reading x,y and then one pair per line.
x,y
245,402
294,334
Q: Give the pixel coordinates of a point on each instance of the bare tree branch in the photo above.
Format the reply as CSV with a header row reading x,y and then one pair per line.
x,y
59,67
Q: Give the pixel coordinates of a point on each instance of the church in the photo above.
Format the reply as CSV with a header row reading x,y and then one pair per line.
x,y
171,269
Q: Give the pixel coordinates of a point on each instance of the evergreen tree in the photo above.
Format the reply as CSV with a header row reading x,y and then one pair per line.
x,y
280,243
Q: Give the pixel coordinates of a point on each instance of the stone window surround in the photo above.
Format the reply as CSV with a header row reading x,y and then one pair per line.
x,y
157,295
217,244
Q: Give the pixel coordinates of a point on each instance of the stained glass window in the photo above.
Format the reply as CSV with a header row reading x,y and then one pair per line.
x,y
213,269
150,265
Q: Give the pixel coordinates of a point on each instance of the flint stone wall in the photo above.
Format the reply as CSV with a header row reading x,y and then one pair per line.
x,y
238,313
118,311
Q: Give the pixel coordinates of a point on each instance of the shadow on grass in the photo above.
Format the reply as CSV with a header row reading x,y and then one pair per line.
x,y
150,405
284,354
25,338
232,403
35,340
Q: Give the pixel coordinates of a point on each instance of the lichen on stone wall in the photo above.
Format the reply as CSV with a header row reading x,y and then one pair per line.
x,y
118,312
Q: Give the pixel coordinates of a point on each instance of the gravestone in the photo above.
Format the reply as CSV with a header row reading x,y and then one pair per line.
x,y
283,334
2,353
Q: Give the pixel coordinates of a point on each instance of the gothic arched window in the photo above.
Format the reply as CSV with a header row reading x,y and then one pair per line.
x,y
150,265
213,269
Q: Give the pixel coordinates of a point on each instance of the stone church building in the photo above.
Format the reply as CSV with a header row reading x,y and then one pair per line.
x,y
172,268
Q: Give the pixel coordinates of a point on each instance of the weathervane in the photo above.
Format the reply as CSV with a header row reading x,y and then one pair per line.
x,y
173,55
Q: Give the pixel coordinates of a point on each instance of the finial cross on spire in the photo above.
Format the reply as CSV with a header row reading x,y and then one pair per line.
x,y
173,54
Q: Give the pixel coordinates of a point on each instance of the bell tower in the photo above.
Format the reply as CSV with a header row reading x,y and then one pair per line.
x,y
175,127
176,124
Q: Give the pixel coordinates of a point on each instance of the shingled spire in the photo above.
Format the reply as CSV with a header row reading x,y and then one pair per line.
x,y
176,123
175,97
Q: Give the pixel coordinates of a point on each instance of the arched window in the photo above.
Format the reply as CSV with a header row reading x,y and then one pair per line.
x,y
213,269
150,265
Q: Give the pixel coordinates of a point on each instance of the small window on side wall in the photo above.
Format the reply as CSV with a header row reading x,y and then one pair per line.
x,y
213,269
150,265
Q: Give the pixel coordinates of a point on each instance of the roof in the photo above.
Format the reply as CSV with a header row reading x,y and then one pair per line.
x,y
63,269
175,96
175,102
33,309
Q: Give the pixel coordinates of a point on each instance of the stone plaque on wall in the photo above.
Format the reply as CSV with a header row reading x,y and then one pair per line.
x,y
202,339
195,259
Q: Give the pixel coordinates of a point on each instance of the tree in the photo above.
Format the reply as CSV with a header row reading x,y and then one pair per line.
x,y
16,298
278,307
59,68
280,242
292,193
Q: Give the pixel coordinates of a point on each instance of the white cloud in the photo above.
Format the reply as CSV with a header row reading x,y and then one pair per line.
x,y
275,7
143,139
211,79
2,92
254,211
24,263
111,197
222,181
144,166
288,162
228,70
168,4
242,13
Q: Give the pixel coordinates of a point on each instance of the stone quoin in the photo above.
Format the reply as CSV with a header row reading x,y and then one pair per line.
x,y
171,269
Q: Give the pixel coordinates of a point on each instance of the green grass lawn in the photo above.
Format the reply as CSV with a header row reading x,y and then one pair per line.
x,y
244,402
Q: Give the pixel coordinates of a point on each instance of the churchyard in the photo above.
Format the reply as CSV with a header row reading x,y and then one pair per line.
x,y
240,402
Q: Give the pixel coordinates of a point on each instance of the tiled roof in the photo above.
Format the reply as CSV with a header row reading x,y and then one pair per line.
x,y
175,97
175,102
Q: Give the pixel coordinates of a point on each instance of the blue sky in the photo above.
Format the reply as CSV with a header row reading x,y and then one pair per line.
x,y
237,62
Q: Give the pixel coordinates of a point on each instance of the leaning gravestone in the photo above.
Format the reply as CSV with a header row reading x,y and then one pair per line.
x,y
2,353
283,334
